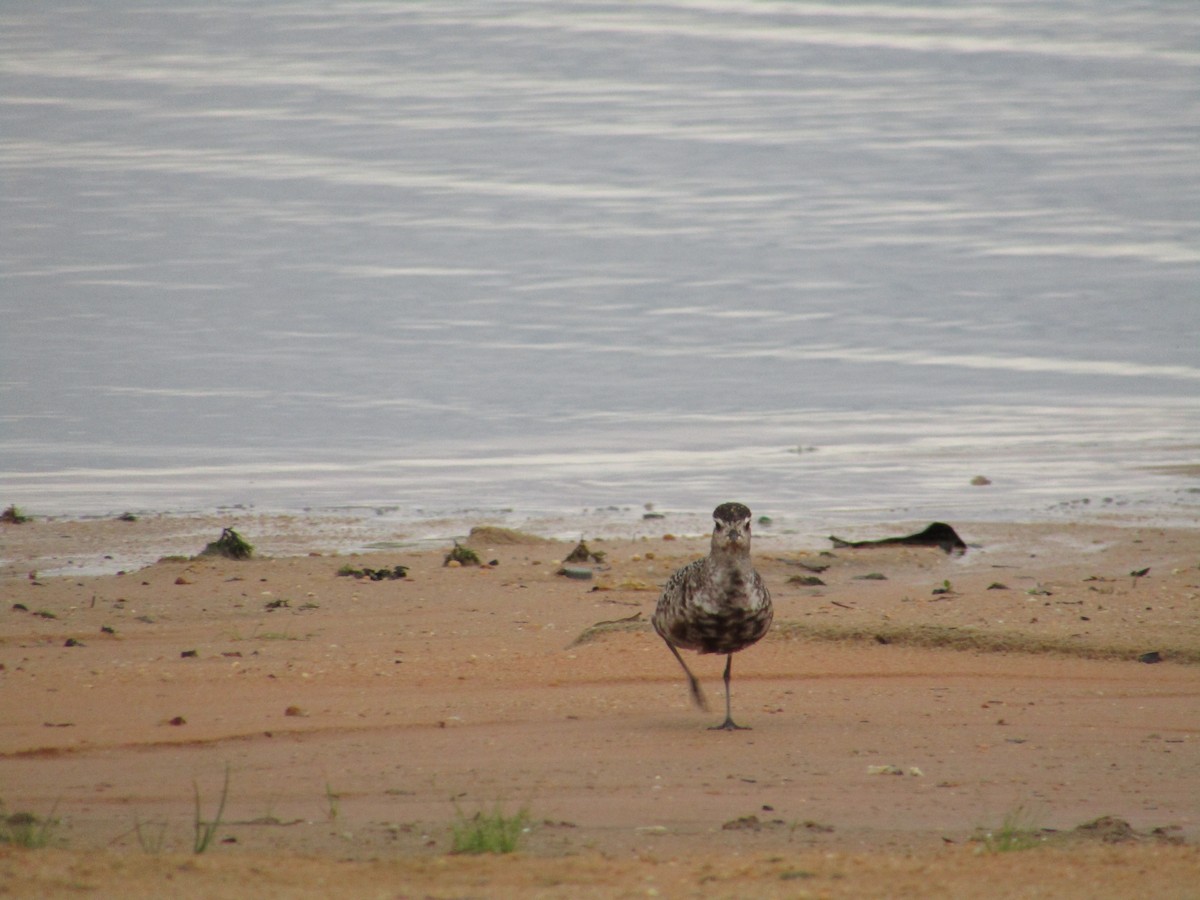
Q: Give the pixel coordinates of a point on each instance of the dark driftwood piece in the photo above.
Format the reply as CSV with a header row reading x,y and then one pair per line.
x,y
939,534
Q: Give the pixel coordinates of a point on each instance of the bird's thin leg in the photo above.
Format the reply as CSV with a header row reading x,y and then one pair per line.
x,y
693,684
728,724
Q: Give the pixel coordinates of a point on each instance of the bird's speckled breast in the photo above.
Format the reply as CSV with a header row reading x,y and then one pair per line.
x,y
726,631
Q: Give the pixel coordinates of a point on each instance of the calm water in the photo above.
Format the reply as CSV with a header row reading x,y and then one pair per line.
x,y
545,257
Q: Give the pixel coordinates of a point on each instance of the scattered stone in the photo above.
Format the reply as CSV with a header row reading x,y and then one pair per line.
x,y
71,642
182,580
177,721
189,654
871,576
981,481
997,586
295,711
127,517
580,573
1152,657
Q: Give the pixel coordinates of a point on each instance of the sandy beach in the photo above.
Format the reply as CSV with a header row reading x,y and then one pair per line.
x,y
910,712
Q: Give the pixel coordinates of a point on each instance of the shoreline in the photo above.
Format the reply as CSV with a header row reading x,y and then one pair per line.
x,y
103,544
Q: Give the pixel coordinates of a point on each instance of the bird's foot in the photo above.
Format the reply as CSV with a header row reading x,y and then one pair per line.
x,y
730,725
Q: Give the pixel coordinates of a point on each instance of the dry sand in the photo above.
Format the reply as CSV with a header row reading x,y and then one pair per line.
x,y
358,719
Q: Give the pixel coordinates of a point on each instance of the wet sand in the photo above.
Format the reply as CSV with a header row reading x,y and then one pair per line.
x,y
359,719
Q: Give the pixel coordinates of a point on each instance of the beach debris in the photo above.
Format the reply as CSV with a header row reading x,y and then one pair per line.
x,y
107,629
751,823
71,642
1150,658
806,580
127,517
189,654
937,534
13,516
278,603
582,553
944,588
997,586
818,827
385,574
461,556
871,576
981,481
1112,830
628,584
582,573
230,545
914,771
295,711
1139,573
177,721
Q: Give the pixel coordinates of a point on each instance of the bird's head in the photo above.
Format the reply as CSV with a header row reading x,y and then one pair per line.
x,y
731,528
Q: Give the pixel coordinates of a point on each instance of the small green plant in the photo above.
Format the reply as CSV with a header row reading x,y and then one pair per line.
x,y
230,544
1017,831
150,835
24,829
206,831
491,832
334,801
13,516
464,556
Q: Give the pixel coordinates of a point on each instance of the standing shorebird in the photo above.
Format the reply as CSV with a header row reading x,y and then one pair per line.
x,y
717,604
